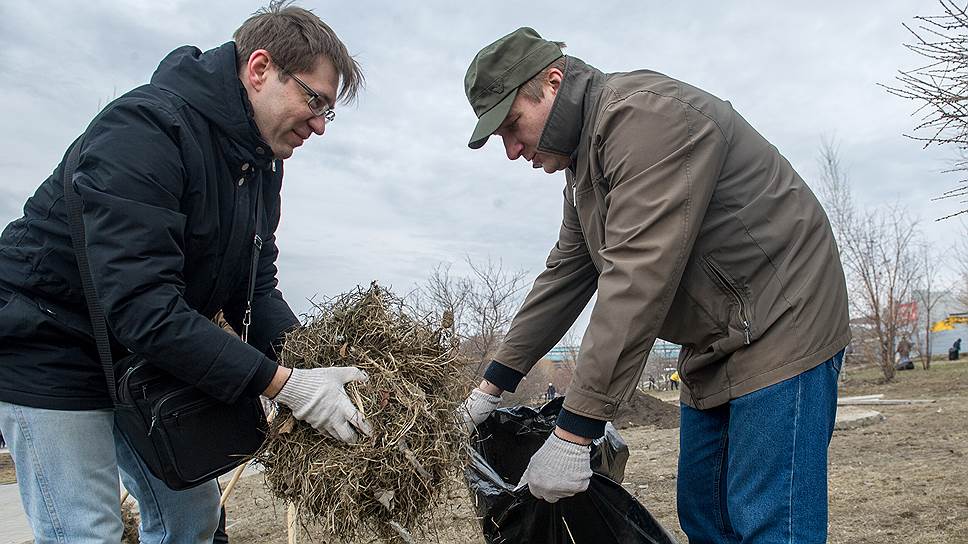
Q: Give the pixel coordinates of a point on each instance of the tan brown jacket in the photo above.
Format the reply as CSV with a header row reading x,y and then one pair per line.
x,y
692,228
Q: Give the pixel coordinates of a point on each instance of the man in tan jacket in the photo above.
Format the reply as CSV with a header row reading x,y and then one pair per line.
x,y
691,227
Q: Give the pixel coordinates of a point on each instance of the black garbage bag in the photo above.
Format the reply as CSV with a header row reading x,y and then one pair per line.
x,y
603,514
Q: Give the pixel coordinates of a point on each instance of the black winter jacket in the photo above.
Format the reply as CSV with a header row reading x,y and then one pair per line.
x,y
168,175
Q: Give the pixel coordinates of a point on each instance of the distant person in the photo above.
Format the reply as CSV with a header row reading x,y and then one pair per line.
x,y
651,383
904,355
954,351
674,381
551,393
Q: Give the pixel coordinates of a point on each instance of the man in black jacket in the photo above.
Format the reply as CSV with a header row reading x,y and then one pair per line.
x,y
169,176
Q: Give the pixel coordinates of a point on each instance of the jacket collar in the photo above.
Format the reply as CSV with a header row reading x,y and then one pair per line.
x,y
579,90
209,83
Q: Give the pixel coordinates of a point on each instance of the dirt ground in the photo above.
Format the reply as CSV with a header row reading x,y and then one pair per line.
x,y
648,410
7,473
902,480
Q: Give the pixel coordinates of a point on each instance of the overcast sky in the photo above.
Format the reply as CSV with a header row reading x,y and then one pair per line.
x,y
392,190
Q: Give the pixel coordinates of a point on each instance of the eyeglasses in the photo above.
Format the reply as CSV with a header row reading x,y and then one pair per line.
x,y
316,104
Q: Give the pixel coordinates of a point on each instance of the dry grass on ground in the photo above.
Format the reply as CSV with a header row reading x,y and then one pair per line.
x,y
902,480
7,473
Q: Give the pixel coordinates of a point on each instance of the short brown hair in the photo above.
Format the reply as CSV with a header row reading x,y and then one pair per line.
x,y
295,38
533,89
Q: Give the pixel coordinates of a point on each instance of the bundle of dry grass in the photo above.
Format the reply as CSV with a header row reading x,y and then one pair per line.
x,y
391,480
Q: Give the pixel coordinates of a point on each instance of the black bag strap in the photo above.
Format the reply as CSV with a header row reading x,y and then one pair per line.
x,y
98,321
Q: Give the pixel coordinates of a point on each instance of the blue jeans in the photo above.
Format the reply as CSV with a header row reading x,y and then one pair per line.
x,y
755,470
67,468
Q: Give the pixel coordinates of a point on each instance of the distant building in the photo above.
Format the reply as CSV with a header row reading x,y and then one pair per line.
x,y
663,349
666,350
561,353
558,367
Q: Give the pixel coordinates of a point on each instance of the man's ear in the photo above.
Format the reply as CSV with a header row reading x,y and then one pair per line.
x,y
554,80
256,71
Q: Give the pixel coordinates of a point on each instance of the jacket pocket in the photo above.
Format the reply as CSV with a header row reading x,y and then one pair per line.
x,y
25,319
22,318
690,321
742,317
703,370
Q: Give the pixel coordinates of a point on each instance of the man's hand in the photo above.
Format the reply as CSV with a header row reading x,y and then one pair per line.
x,y
558,469
317,397
482,401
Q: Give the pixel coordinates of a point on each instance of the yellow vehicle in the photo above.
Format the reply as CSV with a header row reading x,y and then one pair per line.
x,y
949,323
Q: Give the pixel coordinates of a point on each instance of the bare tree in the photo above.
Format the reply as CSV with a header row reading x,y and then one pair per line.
x,y
571,343
878,254
444,294
482,304
876,248
941,85
927,294
492,303
835,191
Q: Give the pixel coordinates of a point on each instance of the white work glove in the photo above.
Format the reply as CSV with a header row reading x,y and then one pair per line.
x,y
476,408
317,397
558,469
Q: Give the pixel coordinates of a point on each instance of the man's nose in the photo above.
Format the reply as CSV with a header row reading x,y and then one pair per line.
x,y
513,147
318,124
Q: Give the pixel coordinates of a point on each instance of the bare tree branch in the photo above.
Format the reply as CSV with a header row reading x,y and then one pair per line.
x,y
877,251
940,86
928,293
481,304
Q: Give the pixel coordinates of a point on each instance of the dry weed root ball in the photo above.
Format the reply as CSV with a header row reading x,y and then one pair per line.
x,y
394,476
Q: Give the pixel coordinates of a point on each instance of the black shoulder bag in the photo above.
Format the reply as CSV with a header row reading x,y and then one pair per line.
x,y
184,436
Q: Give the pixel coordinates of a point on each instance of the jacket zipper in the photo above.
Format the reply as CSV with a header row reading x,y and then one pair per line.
x,y
234,237
739,299
681,369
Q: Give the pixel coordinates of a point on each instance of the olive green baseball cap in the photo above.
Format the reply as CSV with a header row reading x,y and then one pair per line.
x,y
493,78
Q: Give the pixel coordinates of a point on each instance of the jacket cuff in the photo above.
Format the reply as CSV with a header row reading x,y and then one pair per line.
x,y
580,425
261,378
503,376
